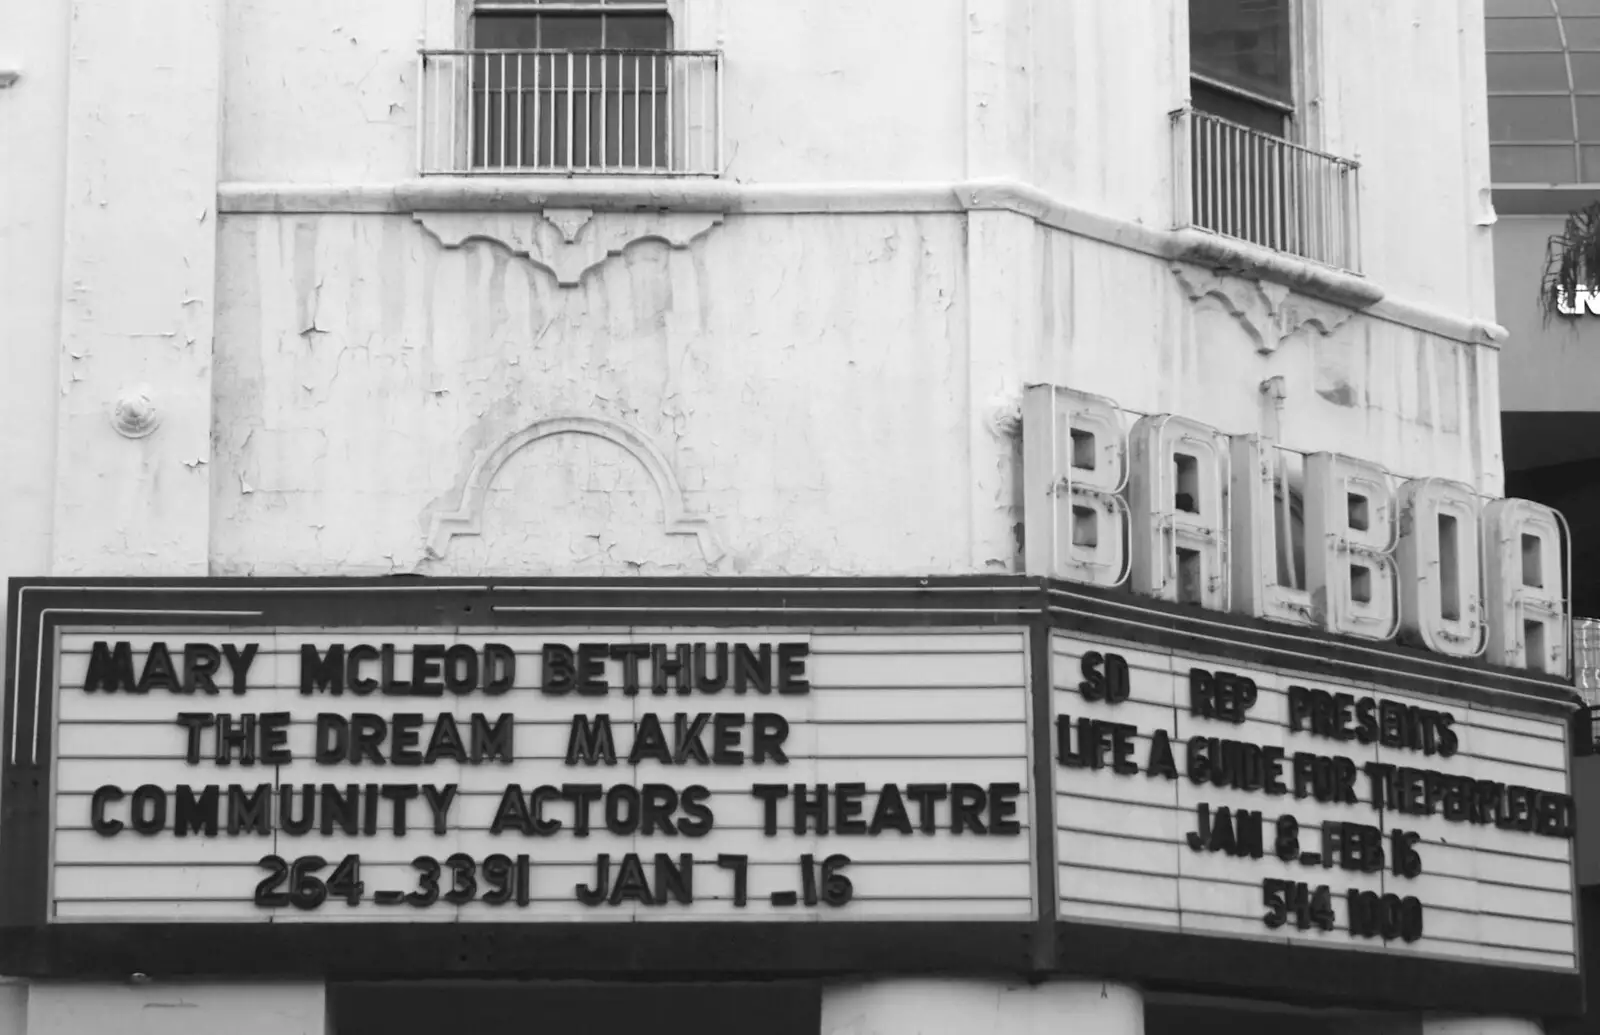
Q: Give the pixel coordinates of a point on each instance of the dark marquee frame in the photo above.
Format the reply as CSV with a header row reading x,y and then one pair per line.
x,y
32,947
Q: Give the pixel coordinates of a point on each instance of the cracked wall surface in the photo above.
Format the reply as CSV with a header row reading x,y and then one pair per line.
x,y
824,386
796,371
813,378
1199,343
826,392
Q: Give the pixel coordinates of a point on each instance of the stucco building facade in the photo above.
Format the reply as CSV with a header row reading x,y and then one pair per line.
x,y
435,289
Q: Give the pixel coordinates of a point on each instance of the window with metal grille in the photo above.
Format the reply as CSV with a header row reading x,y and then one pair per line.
x,y
572,84
1247,178
1241,62
1243,96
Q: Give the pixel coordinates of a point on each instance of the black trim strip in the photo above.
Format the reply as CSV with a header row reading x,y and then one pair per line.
x,y
1257,641
384,951
25,801
1040,675
1314,974
728,601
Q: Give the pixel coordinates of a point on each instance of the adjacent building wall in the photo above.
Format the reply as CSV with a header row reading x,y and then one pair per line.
x,y
1547,364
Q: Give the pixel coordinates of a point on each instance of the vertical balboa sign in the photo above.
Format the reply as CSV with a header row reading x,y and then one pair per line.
x,y
1179,511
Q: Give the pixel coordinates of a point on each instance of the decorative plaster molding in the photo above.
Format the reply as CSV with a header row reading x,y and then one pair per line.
x,y
1203,248
1274,390
567,242
1005,414
569,221
633,195
467,518
1269,313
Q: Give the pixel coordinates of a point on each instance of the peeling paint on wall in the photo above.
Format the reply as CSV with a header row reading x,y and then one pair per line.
x,y
809,415
805,375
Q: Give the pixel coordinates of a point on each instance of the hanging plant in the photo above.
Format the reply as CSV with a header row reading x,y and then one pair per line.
x,y
1571,262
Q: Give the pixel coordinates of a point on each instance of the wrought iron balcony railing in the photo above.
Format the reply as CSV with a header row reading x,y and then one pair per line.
x,y
1256,187
569,112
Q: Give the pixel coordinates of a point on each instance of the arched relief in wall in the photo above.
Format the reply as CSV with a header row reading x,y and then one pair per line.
x,y
468,516
1268,314
567,242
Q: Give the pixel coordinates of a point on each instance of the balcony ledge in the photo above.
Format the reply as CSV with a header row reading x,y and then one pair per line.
x,y
1225,254
630,194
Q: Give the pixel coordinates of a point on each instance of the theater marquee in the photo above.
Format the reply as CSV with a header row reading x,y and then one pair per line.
x,y
479,774
364,778
1201,795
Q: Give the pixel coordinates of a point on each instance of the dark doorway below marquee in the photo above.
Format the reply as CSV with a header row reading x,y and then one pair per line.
x,y
593,1008
779,1008
1554,459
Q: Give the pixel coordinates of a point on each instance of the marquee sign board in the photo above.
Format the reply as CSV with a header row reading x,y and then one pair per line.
x,y
625,775
1201,795
368,778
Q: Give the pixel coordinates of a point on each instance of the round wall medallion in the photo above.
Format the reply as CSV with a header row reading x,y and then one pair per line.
x,y
135,415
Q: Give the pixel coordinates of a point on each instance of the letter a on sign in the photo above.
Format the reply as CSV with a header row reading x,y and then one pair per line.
x,y
1522,546
1178,493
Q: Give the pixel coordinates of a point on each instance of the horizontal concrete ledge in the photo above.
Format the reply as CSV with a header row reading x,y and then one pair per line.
x,y
1201,248
605,194
634,194
1473,332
